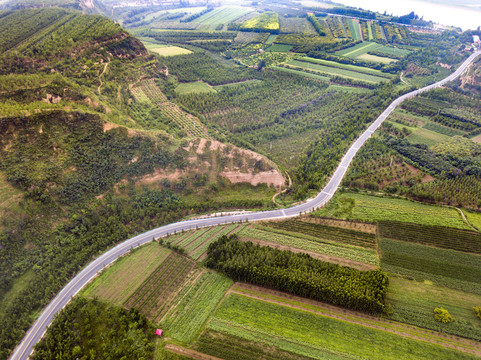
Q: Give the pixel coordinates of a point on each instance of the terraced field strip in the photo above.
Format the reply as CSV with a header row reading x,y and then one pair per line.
x,y
119,281
439,236
223,15
318,308
369,30
358,49
160,284
198,248
359,69
192,236
332,233
194,306
302,73
454,269
188,122
327,250
335,71
354,28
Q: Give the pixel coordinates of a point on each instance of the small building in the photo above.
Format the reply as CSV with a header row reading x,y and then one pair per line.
x,y
476,39
159,332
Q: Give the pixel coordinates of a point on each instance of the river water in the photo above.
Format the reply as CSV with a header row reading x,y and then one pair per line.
x,y
465,17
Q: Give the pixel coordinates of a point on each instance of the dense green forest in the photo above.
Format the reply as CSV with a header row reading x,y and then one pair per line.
x,y
299,274
92,329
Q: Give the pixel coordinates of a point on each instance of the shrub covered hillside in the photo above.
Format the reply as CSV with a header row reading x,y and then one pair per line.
x,y
299,274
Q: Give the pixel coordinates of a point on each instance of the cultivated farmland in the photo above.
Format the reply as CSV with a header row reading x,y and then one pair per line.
x,y
449,268
118,282
194,305
335,71
266,22
219,16
372,209
151,297
303,333
194,88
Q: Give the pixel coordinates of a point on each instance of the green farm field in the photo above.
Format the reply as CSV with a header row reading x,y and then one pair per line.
x,y
334,71
265,22
354,28
375,58
427,137
454,269
355,68
119,281
303,333
301,73
413,303
170,50
223,15
358,49
279,48
197,87
368,208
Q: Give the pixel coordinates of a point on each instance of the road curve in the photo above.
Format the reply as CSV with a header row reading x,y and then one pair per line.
x,y
36,332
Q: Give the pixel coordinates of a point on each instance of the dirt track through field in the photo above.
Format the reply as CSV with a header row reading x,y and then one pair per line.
x,y
189,353
319,308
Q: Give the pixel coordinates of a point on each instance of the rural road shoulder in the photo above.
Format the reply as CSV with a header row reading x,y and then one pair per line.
x,y
35,333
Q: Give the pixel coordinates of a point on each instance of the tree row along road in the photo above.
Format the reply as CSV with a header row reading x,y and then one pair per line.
x,y
90,271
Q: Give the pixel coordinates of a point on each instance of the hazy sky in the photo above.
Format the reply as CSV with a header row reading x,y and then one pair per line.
x,y
463,17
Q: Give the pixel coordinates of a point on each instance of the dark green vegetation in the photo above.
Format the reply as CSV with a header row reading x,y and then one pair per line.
x,y
299,274
93,329
439,236
74,183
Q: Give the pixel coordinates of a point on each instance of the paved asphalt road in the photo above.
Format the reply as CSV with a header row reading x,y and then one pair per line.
x,y
39,327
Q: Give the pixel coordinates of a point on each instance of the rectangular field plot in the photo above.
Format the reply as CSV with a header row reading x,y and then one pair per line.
x,y
413,303
196,242
169,50
375,58
335,71
194,305
151,297
367,208
279,48
449,268
358,49
326,249
301,73
197,87
119,281
304,334
354,28
439,236
356,68
223,15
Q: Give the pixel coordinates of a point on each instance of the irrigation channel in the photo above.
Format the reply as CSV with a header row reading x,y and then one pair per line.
x,y
35,333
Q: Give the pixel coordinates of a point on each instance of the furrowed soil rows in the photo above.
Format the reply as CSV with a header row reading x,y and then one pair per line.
x,y
186,121
439,236
346,236
160,284
194,306
118,282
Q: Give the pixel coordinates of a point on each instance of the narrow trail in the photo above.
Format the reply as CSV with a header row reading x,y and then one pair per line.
x,y
466,220
100,76
38,329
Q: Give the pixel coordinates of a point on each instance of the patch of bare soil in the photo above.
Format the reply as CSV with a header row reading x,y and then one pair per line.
x,y
110,126
345,224
331,311
159,175
271,177
190,353
327,258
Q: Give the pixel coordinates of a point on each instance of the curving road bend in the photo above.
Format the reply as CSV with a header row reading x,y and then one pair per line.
x,y
36,332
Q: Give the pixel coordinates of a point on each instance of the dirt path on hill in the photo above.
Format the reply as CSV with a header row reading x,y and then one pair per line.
x,y
100,76
354,317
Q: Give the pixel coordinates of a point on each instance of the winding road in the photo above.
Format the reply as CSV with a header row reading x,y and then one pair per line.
x,y
90,271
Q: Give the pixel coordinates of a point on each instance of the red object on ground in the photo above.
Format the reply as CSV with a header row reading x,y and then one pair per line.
x,y
159,332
